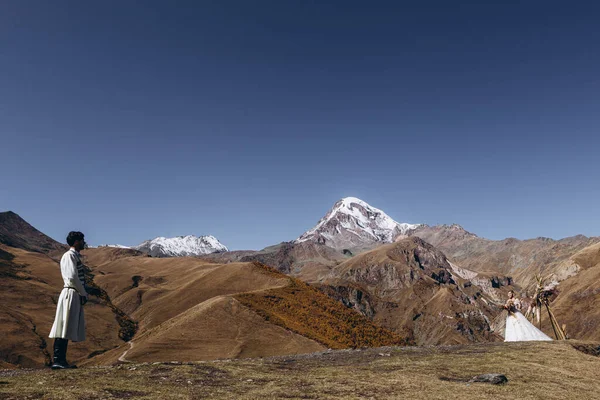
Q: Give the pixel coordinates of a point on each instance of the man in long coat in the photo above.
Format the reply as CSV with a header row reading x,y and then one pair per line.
x,y
69,323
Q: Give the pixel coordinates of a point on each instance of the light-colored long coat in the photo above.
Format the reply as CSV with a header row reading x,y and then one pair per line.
x,y
69,322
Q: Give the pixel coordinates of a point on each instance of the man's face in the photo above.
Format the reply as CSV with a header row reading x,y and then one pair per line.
x,y
79,244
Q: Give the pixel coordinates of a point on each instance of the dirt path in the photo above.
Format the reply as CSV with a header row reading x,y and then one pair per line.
x,y
122,357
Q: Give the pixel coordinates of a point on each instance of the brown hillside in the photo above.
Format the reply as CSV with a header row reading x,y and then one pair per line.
x,y
219,327
308,261
103,255
154,290
521,259
183,309
574,262
411,288
578,302
190,309
16,232
29,287
306,310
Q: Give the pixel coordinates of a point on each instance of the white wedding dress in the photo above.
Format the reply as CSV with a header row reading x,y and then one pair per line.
x,y
519,329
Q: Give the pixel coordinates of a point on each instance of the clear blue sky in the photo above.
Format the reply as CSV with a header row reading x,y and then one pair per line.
x,y
249,119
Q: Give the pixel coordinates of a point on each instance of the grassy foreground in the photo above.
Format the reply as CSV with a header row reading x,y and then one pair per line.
x,y
553,370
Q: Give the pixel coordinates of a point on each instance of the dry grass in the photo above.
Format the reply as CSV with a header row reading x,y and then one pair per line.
x,y
309,312
534,370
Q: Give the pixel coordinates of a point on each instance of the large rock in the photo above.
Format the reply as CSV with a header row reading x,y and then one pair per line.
x,y
494,379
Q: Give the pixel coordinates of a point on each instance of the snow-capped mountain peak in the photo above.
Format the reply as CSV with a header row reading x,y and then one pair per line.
x,y
118,246
352,222
181,246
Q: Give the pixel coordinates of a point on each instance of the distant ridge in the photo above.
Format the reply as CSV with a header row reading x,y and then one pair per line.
x,y
16,232
181,246
521,259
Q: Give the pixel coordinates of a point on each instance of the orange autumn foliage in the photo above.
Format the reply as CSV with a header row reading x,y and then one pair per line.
x,y
307,311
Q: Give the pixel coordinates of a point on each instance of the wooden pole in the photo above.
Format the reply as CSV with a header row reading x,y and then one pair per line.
x,y
551,321
538,292
555,325
558,331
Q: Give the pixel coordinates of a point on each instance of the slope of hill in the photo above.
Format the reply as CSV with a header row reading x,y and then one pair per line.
x,y
521,259
219,327
190,309
103,255
306,310
411,288
307,260
16,232
182,308
578,302
30,283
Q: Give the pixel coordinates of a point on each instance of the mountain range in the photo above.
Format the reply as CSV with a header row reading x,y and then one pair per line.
x,y
357,278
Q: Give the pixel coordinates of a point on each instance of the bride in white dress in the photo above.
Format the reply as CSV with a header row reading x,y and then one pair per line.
x,y
518,328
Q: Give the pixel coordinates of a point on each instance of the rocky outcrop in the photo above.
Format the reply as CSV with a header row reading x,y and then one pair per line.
x,y
410,287
494,379
351,297
520,259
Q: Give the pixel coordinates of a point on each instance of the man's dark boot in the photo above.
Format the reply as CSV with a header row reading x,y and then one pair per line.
x,y
59,360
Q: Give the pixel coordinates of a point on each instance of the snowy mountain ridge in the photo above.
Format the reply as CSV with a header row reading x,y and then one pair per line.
x,y
181,246
118,246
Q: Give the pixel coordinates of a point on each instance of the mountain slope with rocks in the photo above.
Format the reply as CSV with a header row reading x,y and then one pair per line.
x,y
307,260
411,287
578,302
521,259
